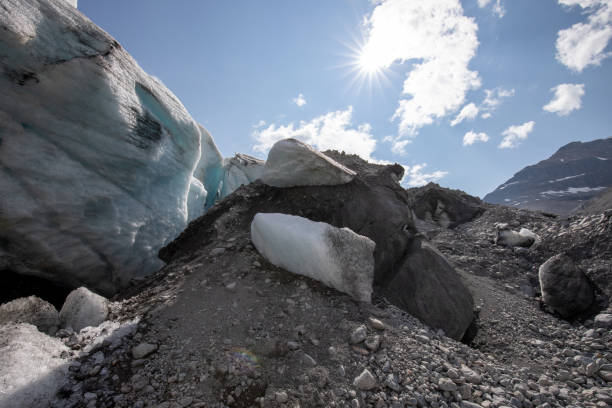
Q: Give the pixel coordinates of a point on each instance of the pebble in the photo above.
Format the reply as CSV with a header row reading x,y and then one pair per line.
x,y
365,380
359,334
446,384
143,349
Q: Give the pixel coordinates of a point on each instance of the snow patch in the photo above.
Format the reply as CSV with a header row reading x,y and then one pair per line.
x,y
571,190
337,257
507,185
566,178
601,158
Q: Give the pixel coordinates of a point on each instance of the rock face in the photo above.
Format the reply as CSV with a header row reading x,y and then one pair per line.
x,y
564,287
293,163
373,204
32,310
337,257
31,370
560,184
96,156
429,288
83,308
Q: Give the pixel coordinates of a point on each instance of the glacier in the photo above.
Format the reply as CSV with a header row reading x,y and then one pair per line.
x,y
337,257
100,164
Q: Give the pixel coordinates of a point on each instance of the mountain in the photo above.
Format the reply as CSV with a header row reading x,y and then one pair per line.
x,y
576,173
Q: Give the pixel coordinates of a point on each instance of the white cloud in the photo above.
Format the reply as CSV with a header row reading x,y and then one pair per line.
x,y
498,8
300,100
514,134
486,115
469,112
494,98
414,176
440,42
568,97
333,130
472,137
584,43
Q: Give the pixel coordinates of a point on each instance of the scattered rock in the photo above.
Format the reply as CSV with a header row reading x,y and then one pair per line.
x,y
603,320
359,334
365,380
143,349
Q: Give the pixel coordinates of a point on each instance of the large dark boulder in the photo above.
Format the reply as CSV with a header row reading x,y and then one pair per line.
x,y
427,285
373,204
565,288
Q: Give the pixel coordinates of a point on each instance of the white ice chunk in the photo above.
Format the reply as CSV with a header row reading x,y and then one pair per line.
x,y
293,163
337,257
31,369
83,308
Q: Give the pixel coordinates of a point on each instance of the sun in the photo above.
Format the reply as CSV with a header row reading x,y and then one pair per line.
x,y
369,63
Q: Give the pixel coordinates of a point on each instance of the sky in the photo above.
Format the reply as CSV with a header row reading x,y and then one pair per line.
x,y
462,93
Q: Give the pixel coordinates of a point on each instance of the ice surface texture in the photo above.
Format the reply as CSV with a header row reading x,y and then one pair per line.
x,y
292,163
31,369
97,158
83,308
337,257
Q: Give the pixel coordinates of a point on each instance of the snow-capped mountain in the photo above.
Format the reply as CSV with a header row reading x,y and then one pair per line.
x,y
576,173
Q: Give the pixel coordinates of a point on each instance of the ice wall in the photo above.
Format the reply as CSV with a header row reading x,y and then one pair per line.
x,y
97,158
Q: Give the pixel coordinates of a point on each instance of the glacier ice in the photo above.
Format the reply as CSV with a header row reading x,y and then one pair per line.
x,y
100,164
337,257
83,308
240,169
33,310
31,367
293,163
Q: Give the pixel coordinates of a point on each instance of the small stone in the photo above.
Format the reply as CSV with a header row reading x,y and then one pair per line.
x,y
308,360
281,397
376,324
391,382
446,384
217,251
231,286
365,380
603,320
293,345
373,343
359,334
143,349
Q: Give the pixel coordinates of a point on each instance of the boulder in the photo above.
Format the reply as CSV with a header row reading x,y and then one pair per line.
x,y
293,163
565,288
337,257
373,205
31,310
603,320
445,207
97,157
31,369
83,308
427,287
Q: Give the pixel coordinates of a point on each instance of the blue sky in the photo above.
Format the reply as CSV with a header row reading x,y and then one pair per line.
x,y
464,93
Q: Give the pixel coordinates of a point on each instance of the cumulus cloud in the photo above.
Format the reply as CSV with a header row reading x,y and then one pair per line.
x,y
472,137
515,134
439,40
415,177
568,97
584,43
469,112
497,8
333,130
300,100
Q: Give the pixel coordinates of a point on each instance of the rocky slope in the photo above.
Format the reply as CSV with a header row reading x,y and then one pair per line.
x,y
220,327
576,173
